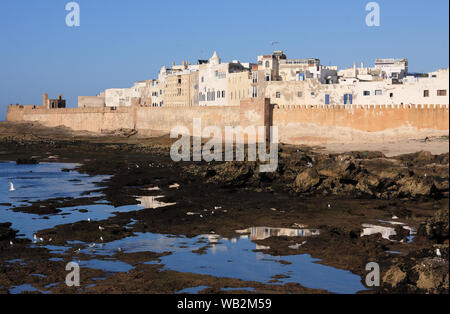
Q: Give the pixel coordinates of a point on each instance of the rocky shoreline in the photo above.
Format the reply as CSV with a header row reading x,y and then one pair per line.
x,y
336,193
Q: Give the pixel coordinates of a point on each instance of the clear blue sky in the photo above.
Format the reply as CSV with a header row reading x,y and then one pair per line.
x,y
122,41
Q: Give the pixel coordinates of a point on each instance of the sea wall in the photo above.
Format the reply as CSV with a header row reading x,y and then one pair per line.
x,y
303,124
165,118
79,119
296,124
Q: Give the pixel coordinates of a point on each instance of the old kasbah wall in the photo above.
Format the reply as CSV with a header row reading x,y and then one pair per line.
x,y
296,124
80,119
317,124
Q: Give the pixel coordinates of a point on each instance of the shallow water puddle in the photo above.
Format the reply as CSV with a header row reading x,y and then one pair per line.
x,y
232,258
24,288
192,290
43,181
47,181
221,257
239,289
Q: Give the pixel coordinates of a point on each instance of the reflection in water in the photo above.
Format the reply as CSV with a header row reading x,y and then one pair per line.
x,y
47,181
261,233
387,231
231,258
152,202
228,258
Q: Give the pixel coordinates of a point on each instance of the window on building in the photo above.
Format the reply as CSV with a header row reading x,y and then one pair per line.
x,y
202,79
179,81
267,64
277,95
223,94
391,95
218,94
327,99
300,94
378,92
255,77
267,78
426,93
442,92
366,93
254,92
348,99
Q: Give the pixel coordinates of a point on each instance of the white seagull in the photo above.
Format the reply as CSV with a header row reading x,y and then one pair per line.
x,y
11,243
438,253
101,228
11,187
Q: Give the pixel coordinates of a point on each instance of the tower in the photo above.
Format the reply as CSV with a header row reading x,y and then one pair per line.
x,y
215,60
45,102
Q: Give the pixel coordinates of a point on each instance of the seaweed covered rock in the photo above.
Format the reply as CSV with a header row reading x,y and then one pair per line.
x,y
307,180
236,173
6,233
26,161
436,228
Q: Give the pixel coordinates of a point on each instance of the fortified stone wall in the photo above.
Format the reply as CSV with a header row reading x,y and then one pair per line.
x,y
296,124
303,124
165,118
80,119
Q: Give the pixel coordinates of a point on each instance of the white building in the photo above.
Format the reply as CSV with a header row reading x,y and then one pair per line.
x,y
392,68
213,81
